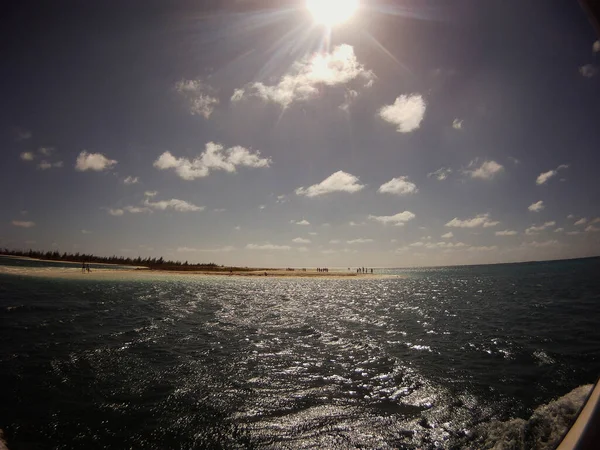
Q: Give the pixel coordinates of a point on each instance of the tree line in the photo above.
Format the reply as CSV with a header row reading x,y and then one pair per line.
x,y
151,263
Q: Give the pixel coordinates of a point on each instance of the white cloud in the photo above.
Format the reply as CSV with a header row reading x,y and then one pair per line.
x,y
45,165
352,223
215,157
27,156
596,220
398,186
535,229
227,248
573,233
448,235
480,220
335,241
268,247
300,240
136,209
406,112
150,193
359,241
397,219
416,244
543,177
93,161
115,212
131,180
199,95
313,233
457,124
506,233
591,228
46,151
570,216
486,171
237,228
23,223
337,182
301,222
482,248
536,244
440,245
262,207
588,70
349,97
441,174
536,207
559,230
174,203
581,221
305,77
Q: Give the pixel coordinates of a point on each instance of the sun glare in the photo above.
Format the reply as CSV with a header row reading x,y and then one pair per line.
x,y
332,12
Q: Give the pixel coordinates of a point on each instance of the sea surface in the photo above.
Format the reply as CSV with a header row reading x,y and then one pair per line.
x,y
450,357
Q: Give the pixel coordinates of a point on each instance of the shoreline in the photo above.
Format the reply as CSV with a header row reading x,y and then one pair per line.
x,y
148,274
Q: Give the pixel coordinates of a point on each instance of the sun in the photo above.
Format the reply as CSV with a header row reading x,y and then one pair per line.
x,y
332,12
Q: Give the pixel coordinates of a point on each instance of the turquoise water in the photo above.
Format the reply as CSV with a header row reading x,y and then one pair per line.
x,y
442,358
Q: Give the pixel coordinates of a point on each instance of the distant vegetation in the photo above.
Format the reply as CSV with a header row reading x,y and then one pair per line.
x,y
151,263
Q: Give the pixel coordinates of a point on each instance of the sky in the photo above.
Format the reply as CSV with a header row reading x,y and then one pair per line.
x,y
263,133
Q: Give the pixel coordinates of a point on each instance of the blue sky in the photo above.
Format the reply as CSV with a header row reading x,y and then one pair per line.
x,y
248,133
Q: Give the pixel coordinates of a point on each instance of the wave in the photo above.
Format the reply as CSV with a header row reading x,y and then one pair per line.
x,y
542,431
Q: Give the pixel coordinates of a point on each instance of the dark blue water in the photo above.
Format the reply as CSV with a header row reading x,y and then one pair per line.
x,y
442,358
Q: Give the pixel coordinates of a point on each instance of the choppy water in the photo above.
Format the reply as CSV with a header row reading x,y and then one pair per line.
x,y
444,358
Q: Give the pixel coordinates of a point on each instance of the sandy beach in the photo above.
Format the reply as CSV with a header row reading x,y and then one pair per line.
x,y
140,274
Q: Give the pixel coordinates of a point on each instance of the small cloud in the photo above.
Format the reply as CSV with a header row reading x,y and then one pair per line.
x,y
588,70
448,235
300,222
397,219
481,220
45,165
262,207
359,241
536,244
559,230
237,95
23,223
93,161
535,229
581,221
335,241
313,233
536,207
592,228
300,240
570,216
23,135
86,232
483,248
506,233
515,161
237,228
486,171
150,193
352,223
573,233
406,112
398,186
46,151
115,212
440,174
27,156
337,182
281,199
215,157
349,97
131,180
199,95
457,124
174,204
137,209
268,247
544,177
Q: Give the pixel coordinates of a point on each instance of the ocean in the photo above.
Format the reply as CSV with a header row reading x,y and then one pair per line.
x,y
449,357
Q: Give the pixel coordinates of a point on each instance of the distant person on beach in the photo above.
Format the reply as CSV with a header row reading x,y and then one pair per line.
x,y
82,267
371,271
88,268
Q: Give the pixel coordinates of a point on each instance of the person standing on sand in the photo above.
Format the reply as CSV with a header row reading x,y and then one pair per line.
x,y
82,267
88,268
